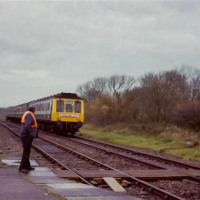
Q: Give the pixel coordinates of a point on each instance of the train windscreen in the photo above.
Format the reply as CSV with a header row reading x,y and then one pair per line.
x,y
69,106
77,107
60,106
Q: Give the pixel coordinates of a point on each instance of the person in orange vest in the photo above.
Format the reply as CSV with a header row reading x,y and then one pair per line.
x,y
29,131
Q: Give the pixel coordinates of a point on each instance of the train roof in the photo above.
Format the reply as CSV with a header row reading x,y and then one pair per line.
x,y
60,95
67,95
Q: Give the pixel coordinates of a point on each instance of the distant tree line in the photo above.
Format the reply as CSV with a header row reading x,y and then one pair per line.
x,y
170,96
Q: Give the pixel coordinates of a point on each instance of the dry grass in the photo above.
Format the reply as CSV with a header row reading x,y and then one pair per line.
x,y
170,140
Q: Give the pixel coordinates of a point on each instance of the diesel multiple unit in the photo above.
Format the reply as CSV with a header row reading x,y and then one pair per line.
x,y
63,112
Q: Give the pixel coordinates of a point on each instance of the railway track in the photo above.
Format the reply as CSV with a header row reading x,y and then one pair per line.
x,y
143,157
139,156
60,154
154,162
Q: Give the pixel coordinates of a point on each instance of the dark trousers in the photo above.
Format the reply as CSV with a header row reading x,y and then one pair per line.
x,y
27,144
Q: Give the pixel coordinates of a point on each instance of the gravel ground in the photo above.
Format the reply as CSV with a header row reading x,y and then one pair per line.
x,y
185,189
11,147
112,160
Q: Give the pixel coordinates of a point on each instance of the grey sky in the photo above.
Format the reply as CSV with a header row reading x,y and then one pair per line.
x,y
49,47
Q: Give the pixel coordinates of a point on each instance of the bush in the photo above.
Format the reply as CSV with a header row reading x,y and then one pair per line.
x,y
187,116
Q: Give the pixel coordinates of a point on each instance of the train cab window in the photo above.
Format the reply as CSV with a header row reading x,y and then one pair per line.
x,y
59,105
69,106
77,107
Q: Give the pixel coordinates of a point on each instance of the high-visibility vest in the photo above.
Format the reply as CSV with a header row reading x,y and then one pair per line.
x,y
35,125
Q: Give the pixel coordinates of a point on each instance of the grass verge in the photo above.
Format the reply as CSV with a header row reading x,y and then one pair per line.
x,y
169,141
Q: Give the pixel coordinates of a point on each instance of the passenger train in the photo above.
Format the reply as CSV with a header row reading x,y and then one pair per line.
x,y
63,112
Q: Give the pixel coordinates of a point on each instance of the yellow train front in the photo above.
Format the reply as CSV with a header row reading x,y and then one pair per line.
x,y
62,113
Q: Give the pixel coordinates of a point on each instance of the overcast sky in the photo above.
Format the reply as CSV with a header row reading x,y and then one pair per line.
x,y
52,47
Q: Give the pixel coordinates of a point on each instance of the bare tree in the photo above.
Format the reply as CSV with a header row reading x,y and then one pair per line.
x,y
175,91
162,93
152,97
104,97
92,89
120,84
132,108
117,87
118,99
193,79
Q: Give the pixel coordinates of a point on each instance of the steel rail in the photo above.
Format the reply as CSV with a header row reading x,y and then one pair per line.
x,y
49,157
190,177
119,154
185,165
150,188
60,164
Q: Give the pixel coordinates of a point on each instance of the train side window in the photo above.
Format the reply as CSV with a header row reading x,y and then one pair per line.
x,y
77,106
59,105
42,106
48,106
69,106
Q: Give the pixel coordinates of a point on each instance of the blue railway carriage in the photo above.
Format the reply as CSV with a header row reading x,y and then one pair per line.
x,y
15,113
63,112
